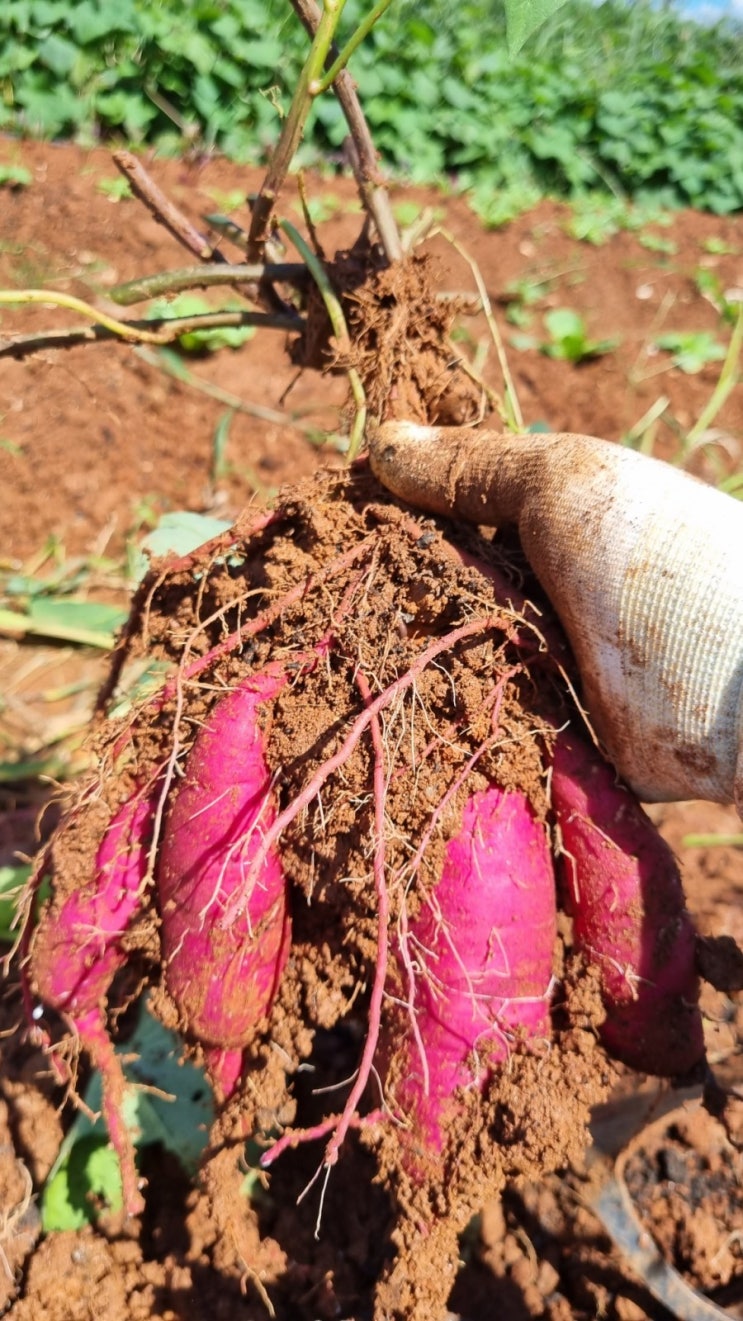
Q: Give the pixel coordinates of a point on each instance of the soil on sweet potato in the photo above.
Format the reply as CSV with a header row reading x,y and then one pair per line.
x,y
96,442
381,590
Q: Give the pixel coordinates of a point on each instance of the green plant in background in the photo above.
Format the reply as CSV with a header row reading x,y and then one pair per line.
x,y
12,880
658,243
691,351
595,219
522,296
568,339
118,190
15,176
725,301
630,99
718,247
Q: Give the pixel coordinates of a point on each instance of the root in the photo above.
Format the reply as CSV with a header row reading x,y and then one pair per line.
x,y
339,758
154,579
383,918
235,640
299,1136
97,1043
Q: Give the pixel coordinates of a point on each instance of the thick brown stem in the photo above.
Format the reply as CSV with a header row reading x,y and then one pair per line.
x,y
164,211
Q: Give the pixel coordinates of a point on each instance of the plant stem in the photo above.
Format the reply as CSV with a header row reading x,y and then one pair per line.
x,y
180,372
364,162
165,212
158,330
361,33
726,382
512,415
340,331
293,126
204,277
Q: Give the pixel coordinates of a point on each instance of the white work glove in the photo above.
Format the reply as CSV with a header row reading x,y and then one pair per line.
x,y
644,566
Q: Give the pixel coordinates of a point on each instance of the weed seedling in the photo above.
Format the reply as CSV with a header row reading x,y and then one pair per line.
x,y
569,340
116,190
15,176
691,351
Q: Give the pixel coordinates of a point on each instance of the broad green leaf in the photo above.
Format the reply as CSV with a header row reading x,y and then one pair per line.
x,y
88,623
523,17
181,532
168,1102
58,54
88,1181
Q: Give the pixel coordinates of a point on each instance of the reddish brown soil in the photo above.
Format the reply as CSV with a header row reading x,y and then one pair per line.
x,y
100,441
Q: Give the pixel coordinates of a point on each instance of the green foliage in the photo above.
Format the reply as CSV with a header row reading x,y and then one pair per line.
x,y
523,17
568,339
12,881
202,341
725,301
118,190
168,1103
692,350
622,96
15,176
88,1181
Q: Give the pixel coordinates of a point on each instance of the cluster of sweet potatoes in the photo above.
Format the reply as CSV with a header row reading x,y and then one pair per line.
x,y
470,974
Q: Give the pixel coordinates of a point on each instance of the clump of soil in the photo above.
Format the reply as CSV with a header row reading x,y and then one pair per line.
x,y
356,598
685,1178
399,327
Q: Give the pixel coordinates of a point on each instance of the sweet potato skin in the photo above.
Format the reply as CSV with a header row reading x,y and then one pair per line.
x,y
223,978
76,949
623,890
482,950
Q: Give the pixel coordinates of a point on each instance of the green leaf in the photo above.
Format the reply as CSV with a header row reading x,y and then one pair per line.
x,y
523,17
183,531
12,881
58,55
88,1181
88,623
15,176
198,341
168,1102
692,351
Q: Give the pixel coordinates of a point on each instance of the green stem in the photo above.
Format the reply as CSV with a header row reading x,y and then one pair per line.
x,y
203,277
726,382
293,126
364,160
340,331
361,33
158,330
712,841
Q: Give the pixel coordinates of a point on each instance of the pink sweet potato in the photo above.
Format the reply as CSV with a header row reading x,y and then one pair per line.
x,y
624,892
480,956
223,977
77,950
77,945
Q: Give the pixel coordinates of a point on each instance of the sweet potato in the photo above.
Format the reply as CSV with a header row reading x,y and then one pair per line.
x,y
479,965
223,978
624,893
623,890
77,946
77,949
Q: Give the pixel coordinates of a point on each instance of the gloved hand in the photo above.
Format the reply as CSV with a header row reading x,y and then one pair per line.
x,y
644,566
